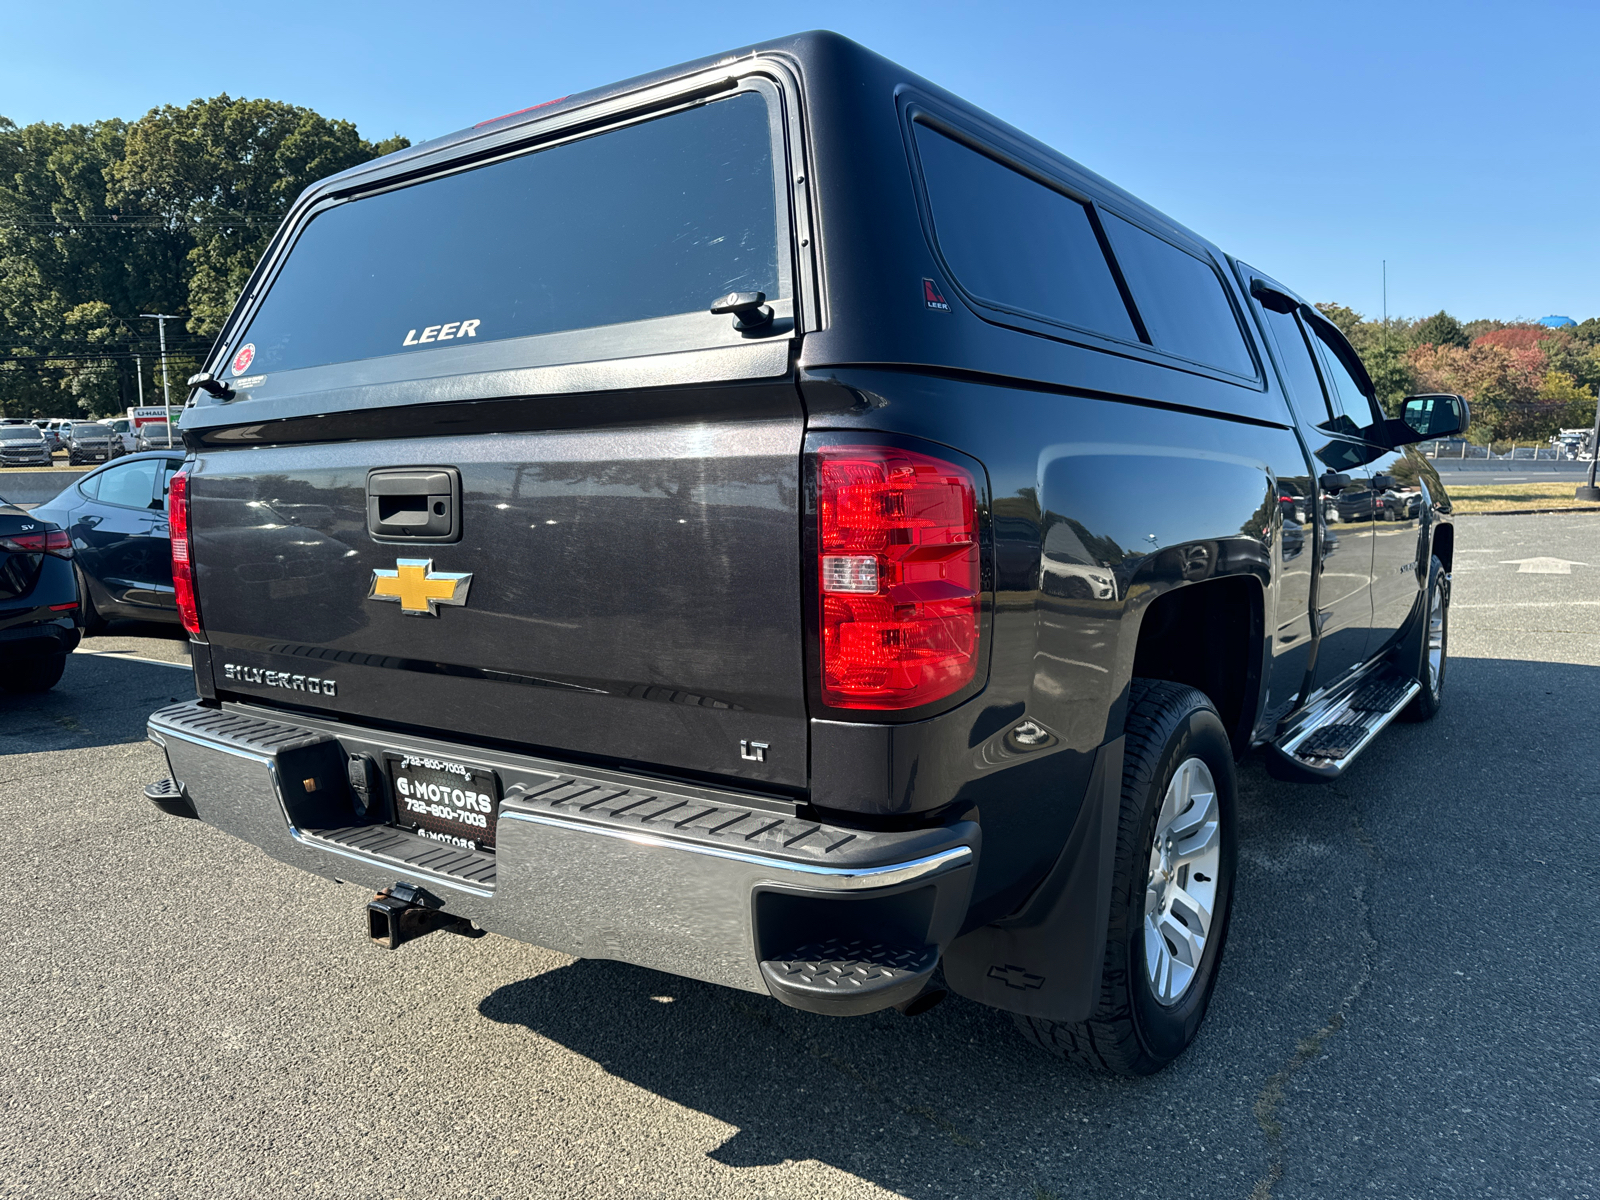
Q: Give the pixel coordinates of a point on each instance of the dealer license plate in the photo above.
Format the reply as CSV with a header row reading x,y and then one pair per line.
x,y
450,802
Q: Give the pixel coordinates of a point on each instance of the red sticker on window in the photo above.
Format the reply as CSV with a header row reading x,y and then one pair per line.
x,y
243,359
933,297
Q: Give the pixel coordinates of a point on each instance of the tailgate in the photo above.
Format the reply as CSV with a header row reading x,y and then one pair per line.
x,y
634,593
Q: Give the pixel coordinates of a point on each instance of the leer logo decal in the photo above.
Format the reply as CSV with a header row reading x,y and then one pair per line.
x,y
418,587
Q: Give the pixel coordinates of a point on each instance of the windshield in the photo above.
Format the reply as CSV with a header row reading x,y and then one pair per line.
x,y
83,431
19,433
650,220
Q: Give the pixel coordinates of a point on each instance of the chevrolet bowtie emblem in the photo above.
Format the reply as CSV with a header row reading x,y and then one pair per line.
x,y
418,587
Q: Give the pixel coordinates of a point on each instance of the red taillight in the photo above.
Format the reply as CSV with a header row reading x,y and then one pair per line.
x,y
182,555
897,568
51,541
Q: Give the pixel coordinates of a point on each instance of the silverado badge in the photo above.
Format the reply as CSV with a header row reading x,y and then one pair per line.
x,y
418,587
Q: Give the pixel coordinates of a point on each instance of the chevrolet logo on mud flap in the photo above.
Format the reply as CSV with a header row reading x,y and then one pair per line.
x,y
418,587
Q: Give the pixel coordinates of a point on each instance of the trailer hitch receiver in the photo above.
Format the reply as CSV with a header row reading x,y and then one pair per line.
x,y
405,911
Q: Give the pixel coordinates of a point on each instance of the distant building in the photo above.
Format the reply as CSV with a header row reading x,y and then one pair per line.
x,y
1556,322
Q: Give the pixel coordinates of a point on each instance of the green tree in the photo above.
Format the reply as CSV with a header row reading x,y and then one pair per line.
x,y
1441,329
1348,320
102,222
1571,404
1571,354
1384,349
224,172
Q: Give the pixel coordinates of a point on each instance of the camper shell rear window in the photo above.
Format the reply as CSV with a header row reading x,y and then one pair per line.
x,y
654,219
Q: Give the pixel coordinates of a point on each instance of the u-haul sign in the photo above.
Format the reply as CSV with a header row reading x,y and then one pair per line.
x,y
142,416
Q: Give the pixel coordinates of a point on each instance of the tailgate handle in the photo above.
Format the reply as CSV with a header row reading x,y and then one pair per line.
x,y
414,504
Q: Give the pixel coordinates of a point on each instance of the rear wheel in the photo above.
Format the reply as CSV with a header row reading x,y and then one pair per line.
x,y
35,674
1433,649
88,615
1172,888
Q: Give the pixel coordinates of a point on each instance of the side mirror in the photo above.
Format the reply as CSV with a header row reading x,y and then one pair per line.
x,y
1423,418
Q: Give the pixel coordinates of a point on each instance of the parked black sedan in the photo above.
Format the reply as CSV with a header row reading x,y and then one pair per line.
x,y
116,518
88,442
23,446
38,601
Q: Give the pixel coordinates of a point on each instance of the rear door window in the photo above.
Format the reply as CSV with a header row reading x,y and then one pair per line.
x,y
651,220
1014,243
1181,298
131,485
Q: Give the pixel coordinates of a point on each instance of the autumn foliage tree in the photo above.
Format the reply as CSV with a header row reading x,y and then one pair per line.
x,y
1524,381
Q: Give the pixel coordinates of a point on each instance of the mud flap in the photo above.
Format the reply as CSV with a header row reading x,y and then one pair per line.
x,y
1045,961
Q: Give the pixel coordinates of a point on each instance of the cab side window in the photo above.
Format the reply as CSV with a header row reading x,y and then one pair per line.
x,y
1305,387
1353,406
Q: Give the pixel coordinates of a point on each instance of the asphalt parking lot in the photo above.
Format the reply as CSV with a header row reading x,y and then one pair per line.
x,y
1407,1006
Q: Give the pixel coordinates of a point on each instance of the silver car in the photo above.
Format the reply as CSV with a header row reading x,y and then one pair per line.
x,y
88,442
23,446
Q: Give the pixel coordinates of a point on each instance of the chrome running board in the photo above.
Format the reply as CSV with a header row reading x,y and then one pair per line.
x,y
1330,733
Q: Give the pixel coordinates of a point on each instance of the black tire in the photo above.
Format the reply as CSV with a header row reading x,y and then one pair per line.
x,y
89,618
1130,1031
35,674
1425,705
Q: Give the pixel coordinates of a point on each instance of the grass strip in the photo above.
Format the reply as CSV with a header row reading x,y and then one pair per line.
x,y
1504,497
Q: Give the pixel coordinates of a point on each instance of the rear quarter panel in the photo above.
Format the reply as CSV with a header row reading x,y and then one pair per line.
x,y
1099,508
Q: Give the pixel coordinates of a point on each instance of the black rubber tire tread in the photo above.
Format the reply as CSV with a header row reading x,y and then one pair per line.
x,y
89,618
35,674
1108,1040
1425,705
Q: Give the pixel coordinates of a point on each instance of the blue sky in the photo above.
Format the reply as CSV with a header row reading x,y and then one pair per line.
x,y
1459,141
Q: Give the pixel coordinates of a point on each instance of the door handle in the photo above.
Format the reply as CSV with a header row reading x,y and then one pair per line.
x,y
414,504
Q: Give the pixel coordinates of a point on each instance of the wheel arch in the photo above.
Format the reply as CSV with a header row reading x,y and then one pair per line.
x,y
1444,544
1211,636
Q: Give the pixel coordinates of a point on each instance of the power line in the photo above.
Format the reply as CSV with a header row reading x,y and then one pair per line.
x,y
138,221
113,356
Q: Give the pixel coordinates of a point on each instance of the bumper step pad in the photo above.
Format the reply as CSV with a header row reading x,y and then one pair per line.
x,y
168,795
849,977
405,849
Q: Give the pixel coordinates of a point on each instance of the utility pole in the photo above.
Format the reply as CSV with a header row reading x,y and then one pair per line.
x,y
138,371
1591,492
161,320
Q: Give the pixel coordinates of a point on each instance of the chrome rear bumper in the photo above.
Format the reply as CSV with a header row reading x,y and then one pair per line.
x,y
732,889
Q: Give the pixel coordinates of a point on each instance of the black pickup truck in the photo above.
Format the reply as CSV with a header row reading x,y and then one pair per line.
x,y
771,522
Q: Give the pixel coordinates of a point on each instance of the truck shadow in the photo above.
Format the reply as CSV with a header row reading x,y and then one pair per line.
x,y
954,1102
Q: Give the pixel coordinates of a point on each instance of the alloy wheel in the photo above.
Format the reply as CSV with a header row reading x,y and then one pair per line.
x,y
1436,638
1181,890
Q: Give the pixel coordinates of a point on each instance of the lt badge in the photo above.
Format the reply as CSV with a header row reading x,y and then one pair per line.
x,y
418,587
